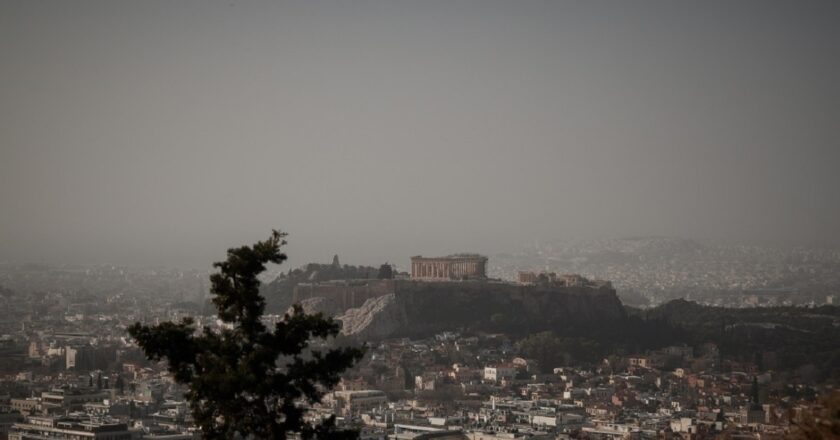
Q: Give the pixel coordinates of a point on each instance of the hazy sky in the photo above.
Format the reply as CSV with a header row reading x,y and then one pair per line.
x,y
164,132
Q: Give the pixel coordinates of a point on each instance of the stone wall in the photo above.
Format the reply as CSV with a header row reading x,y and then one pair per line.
x,y
344,294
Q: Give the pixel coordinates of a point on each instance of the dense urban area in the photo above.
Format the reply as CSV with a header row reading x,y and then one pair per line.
x,y
680,369
652,270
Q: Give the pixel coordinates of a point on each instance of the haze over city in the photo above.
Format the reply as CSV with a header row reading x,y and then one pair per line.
x,y
506,220
155,133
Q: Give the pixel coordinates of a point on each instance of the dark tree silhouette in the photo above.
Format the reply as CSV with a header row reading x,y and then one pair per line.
x,y
246,381
386,272
819,421
120,384
754,394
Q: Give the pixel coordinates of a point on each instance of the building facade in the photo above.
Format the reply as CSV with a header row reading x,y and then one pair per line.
x,y
452,267
41,428
354,403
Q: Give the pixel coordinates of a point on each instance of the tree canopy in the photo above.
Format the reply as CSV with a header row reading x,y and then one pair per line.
x,y
246,381
386,272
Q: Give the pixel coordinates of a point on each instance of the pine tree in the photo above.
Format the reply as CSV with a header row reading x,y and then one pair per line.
x,y
120,384
386,272
247,381
754,393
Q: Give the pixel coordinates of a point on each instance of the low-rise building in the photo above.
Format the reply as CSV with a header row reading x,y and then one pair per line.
x,y
496,373
353,403
68,428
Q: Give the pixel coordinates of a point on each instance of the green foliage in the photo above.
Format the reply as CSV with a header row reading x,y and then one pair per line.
x,y
120,384
279,292
551,351
821,421
386,272
499,321
796,336
592,342
246,381
546,348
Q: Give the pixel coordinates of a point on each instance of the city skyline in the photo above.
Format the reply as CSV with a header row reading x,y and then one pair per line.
x,y
419,220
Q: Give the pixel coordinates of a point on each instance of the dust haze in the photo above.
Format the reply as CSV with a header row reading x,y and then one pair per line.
x,y
161,133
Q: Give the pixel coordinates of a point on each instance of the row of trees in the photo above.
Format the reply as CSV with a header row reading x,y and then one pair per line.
x,y
279,291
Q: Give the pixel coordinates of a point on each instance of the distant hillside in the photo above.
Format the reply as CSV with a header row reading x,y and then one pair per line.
x,y
653,270
697,316
789,338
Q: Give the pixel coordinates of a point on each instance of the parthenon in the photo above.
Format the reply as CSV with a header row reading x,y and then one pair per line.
x,y
452,267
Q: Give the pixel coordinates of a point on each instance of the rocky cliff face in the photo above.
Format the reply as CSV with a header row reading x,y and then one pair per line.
x,y
419,309
377,318
327,306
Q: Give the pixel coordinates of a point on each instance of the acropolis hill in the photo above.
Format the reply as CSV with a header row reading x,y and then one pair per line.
x,y
440,297
425,308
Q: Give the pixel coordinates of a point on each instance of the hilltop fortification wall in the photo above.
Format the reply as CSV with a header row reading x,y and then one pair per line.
x,y
422,308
